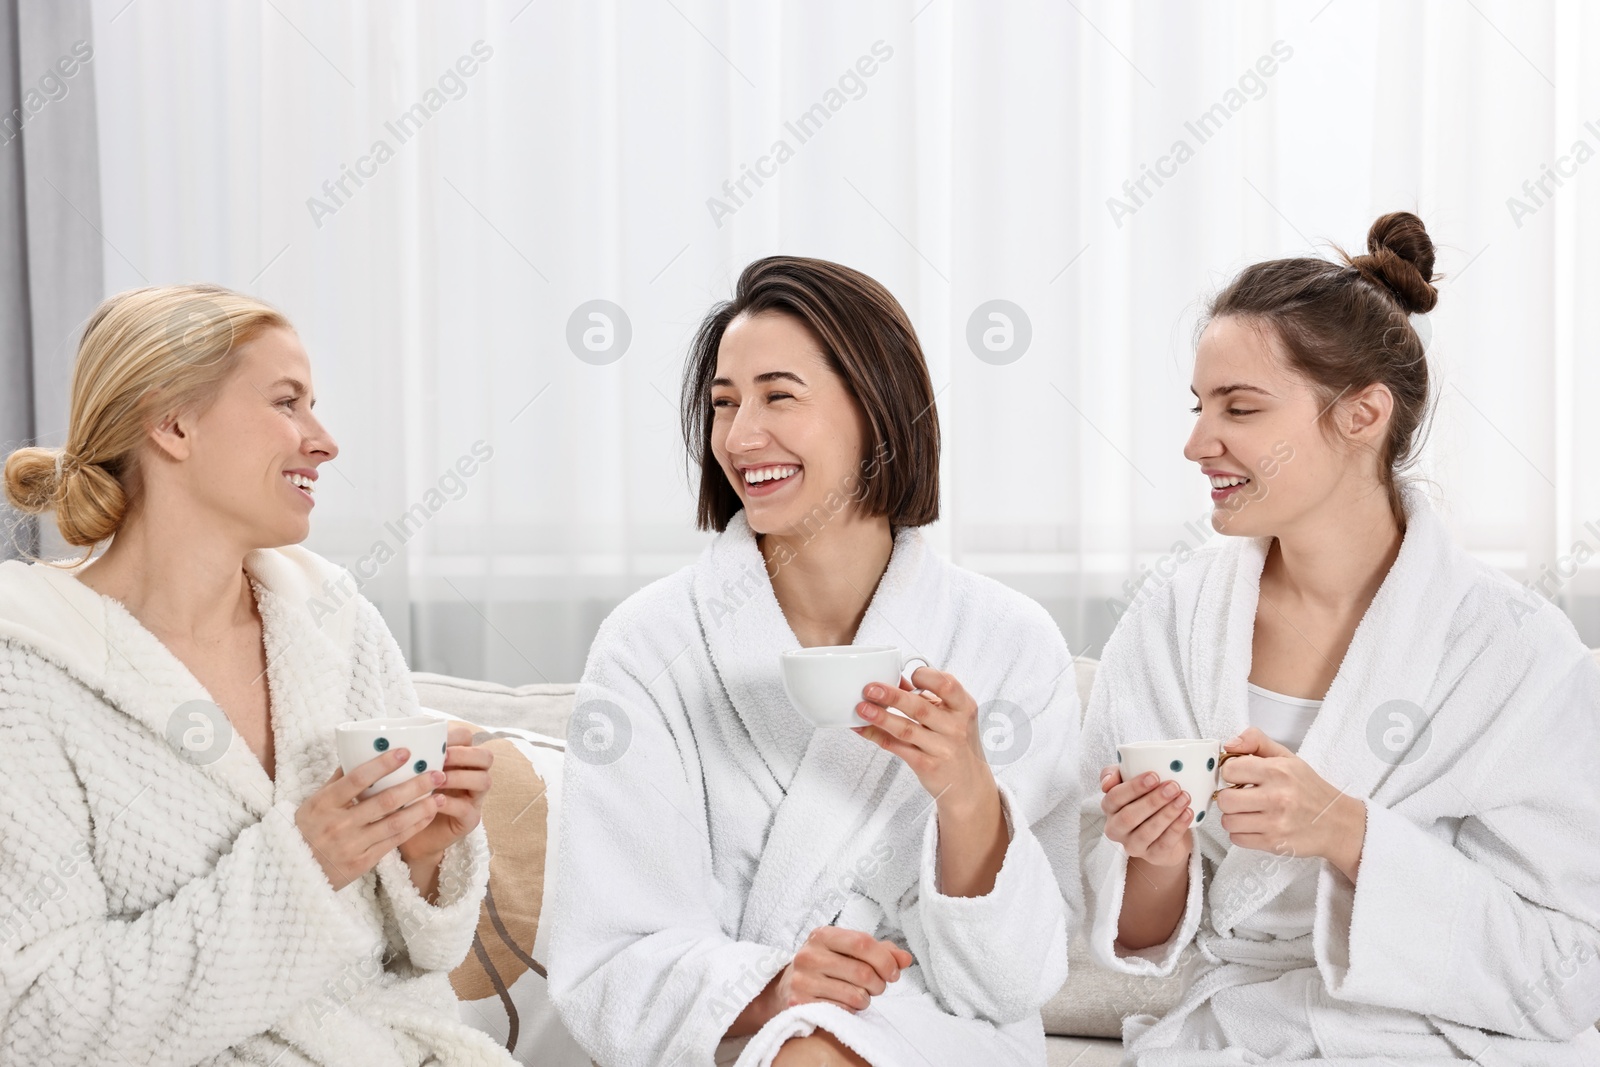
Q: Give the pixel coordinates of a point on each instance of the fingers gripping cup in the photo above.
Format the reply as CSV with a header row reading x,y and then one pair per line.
x,y
1195,764
825,682
424,736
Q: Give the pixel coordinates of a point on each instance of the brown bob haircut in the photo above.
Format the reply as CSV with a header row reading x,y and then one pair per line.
x,y
869,342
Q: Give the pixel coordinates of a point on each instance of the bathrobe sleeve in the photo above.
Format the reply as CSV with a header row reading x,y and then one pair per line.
x,y
1138,693
1000,957
1501,896
641,970
226,957
436,936
420,935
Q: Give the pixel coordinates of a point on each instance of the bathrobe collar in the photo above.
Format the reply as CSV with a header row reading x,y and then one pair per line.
x,y
1394,656
843,795
746,632
307,627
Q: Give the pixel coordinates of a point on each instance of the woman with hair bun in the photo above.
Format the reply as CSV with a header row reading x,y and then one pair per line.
x,y
1410,874
189,878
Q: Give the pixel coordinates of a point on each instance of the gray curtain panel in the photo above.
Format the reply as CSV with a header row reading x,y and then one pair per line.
x,y
51,274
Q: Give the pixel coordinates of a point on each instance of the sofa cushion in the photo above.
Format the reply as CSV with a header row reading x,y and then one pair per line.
x,y
501,986
1094,1001
541,708
1082,1052
1083,673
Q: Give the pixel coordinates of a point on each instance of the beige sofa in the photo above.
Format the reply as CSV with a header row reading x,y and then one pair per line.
x,y
1084,1019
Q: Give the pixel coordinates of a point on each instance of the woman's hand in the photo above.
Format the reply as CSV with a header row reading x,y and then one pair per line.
x,y
347,835
838,966
459,808
1289,808
1151,824
939,741
834,966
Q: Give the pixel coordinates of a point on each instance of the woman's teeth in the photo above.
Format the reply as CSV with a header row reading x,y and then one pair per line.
x,y
757,475
1220,482
300,481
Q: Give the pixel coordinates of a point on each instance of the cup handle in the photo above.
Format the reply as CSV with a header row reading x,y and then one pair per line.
x,y
1222,758
906,671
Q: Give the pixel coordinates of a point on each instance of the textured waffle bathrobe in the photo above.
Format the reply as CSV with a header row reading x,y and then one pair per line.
x,y
708,828
157,903
1466,716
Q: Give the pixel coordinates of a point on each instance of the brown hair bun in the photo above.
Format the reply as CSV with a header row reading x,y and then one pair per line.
x,y
1400,259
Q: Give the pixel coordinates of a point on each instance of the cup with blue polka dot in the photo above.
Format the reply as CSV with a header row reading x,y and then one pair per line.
x,y
1194,763
424,736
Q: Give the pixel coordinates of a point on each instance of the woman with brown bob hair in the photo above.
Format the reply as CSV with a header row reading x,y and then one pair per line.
x,y
737,882
1411,875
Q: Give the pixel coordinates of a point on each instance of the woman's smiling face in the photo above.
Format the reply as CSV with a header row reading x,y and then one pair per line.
x,y
1258,438
246,451
786,430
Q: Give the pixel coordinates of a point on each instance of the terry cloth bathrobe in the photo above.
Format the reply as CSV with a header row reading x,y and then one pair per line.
x,y
158,904
708,827
1464,715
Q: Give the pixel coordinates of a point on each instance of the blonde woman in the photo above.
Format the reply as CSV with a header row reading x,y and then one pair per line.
x,y
189,878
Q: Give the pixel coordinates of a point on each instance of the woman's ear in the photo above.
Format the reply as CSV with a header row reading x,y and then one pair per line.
x,y
1366,414
172,435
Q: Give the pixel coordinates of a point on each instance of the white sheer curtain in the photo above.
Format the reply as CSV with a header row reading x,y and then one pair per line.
x,y
960,152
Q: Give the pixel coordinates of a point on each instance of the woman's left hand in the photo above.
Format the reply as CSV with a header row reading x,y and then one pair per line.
x,y
939,741
460,804
1288,809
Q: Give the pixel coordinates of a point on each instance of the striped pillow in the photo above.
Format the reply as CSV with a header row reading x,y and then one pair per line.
x,y
501,984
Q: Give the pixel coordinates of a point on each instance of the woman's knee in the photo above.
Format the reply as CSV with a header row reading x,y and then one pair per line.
x,y
817,1049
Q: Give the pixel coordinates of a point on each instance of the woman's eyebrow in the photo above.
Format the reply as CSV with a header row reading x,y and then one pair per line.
x,y
1224,390
767,376
293,383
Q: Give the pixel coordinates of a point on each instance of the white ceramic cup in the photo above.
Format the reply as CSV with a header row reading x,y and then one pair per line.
x,y
1195,764
825,682
425,736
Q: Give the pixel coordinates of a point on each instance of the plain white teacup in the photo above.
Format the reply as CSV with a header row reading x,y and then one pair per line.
x,y
1195,764
825,682
367,739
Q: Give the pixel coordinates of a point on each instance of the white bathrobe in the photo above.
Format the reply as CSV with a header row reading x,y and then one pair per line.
x,y
157,909
1473,928
720,828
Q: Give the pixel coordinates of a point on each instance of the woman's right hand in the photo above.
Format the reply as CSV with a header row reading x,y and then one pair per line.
x,y
348,835
839,966
834,966
1151,824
